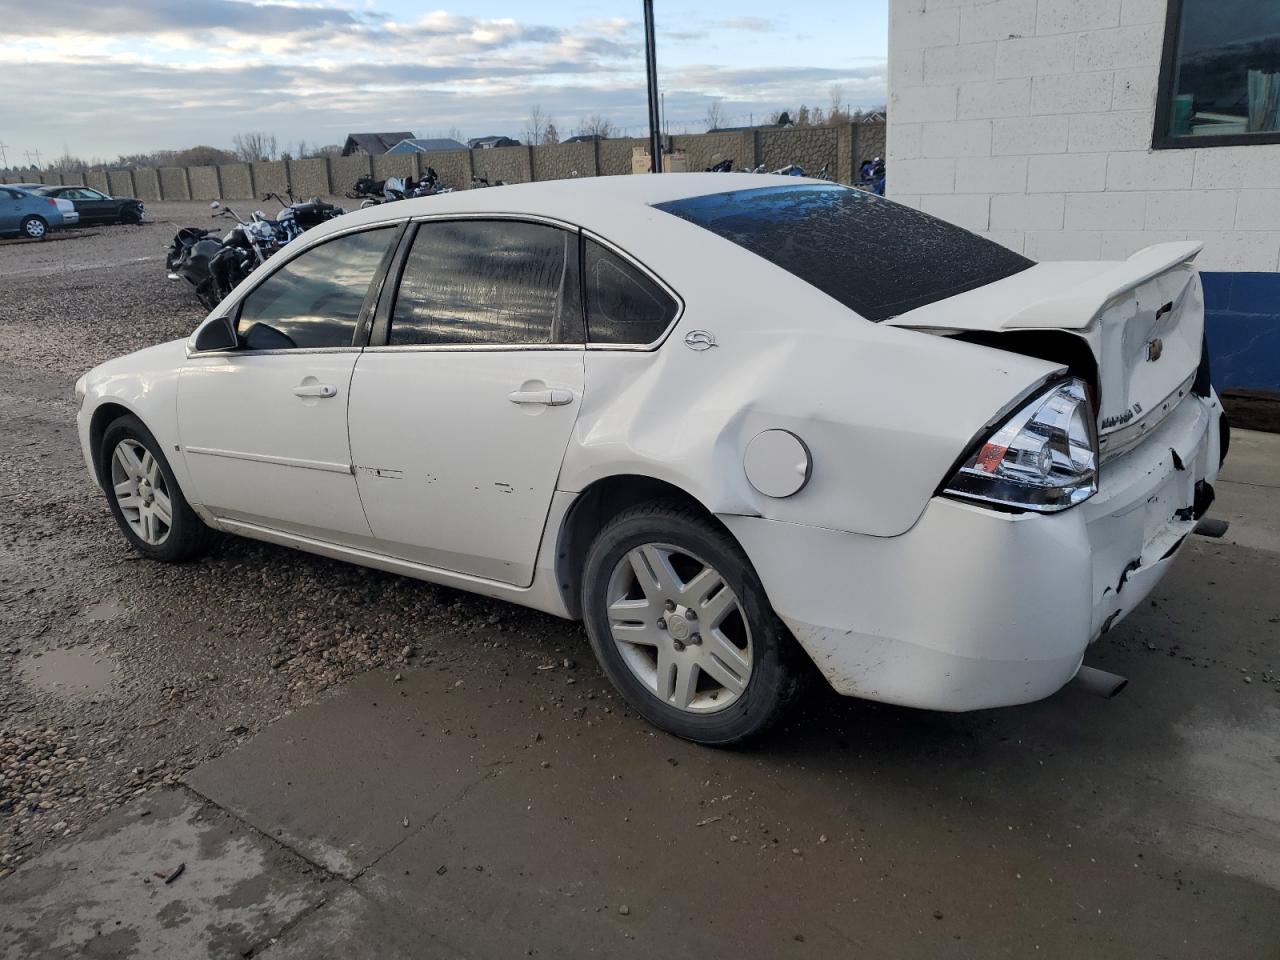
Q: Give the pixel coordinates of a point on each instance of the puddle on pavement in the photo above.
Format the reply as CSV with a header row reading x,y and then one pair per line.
x,y
73,672
104,610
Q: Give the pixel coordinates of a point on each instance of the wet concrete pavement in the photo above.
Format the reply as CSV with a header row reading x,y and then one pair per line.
x,y
514,811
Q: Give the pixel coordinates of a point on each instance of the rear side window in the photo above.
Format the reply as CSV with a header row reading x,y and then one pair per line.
x,y
876,257
315,299
623,304
472,282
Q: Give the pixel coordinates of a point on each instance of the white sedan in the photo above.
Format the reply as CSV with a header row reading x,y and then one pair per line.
x,y
729,421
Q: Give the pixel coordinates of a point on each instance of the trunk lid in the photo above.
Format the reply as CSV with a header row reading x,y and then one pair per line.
x,y
1143,319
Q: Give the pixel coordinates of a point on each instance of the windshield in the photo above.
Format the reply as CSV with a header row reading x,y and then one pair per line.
x,y
877,257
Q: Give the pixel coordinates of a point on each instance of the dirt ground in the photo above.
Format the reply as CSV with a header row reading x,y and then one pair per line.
x,y
387,768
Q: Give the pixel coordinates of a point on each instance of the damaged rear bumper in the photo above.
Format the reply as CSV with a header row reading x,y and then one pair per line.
x,y
975,608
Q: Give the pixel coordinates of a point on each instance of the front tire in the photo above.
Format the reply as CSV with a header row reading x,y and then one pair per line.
x,y
680,623
35,228
144,495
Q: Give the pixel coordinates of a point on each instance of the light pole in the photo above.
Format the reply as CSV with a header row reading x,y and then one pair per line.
x,y
651,69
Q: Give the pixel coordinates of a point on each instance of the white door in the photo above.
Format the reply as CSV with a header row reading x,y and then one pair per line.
x,y
460,421
264,427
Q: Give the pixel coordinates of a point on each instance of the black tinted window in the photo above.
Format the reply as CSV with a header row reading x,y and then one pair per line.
x,y
488,282
623,305
876,257
314,300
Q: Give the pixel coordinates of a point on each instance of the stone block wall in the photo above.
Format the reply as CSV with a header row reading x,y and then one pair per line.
x,y
345,171
810,147
309,178
402,165
121,183
512,164
204,183
269,175
174,184
452,166
615,155
563,160
146,184
841,147
237,181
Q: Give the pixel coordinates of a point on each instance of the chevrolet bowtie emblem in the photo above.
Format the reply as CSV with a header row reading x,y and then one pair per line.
x,y
1154,349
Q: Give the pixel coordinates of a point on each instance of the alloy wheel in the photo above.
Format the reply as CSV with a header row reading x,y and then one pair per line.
x,y
35,228
680,628
141,492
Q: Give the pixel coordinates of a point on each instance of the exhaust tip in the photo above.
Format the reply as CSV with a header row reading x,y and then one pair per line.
x,y
174,276
1100,683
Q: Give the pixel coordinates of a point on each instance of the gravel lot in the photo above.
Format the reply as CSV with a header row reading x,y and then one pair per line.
x,y
117,674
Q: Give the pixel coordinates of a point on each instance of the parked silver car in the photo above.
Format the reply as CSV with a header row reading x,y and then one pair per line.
x,y
29,215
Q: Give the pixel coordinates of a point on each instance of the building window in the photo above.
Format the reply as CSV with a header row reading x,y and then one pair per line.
x,y
1220,77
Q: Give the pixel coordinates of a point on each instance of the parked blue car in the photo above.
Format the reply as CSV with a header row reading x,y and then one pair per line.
x,y
29,215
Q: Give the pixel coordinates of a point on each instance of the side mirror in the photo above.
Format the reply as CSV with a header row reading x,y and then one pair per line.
x,y
215,205
218,334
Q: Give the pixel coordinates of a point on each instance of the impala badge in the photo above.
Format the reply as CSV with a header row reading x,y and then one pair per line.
x,y
1154,349
700,340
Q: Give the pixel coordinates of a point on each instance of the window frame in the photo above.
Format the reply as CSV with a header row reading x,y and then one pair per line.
x,y
364,322
1161,139
378,340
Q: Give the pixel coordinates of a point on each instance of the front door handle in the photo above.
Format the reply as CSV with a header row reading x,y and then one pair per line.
x,y
547,398
315,390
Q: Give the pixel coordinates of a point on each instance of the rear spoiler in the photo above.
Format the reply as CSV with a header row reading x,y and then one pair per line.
x,y
1081,306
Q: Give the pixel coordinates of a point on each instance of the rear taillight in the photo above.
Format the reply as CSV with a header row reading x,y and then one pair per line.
x,y
1043,458
52,202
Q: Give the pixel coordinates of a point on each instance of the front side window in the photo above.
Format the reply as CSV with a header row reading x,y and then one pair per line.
x,y
494,282
623,305
315,299
1220,80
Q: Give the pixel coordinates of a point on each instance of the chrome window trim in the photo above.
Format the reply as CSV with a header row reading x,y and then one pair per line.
x,y
285,352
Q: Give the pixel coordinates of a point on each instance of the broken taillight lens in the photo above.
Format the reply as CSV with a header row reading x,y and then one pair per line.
x,y
1044,457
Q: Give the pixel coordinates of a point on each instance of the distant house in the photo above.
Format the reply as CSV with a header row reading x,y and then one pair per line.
x,y
585,138
373,144
488,143
427,145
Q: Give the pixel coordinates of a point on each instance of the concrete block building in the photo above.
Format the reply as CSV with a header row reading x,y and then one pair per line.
x,y
1087,129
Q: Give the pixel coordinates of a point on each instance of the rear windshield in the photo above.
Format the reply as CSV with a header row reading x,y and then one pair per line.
x,y
876,257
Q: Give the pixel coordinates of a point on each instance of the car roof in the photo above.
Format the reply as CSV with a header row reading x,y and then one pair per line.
x,y
587,201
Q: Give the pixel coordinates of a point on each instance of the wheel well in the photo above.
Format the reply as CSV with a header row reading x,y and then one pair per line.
x,y
103,417
595,506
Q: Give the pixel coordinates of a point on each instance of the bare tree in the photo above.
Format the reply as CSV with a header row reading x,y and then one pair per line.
x,y
256,145
596,126
838,112
715,118
535,128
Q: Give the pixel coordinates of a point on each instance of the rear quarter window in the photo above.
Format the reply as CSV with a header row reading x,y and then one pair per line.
x,y
878,258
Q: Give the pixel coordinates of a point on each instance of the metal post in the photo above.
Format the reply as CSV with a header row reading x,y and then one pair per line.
x,y
651,69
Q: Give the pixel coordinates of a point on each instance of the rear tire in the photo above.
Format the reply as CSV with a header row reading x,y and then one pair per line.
x,y
145,498
35,228
681,625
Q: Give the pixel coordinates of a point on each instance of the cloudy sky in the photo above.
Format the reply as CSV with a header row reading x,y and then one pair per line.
x,y
103,78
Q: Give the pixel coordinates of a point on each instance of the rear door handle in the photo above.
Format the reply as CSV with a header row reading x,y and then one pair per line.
x,y
547,398
315,390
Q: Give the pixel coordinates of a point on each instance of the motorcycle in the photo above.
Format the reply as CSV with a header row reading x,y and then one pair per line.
x,y
371,192
214,266
871,176
298,216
